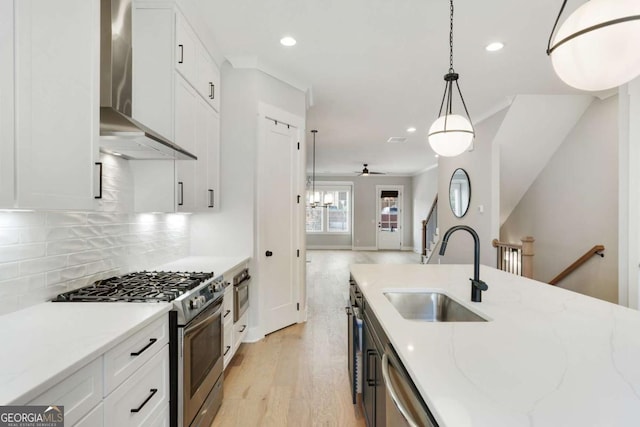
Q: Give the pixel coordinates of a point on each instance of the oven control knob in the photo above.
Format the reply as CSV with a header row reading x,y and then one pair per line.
x,y
202,299
194,303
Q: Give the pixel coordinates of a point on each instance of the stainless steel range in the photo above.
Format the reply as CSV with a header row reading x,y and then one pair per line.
x,y
196,333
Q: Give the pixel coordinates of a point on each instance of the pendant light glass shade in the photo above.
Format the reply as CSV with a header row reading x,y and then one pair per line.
x,y
451,134
328,199
597,47
453,140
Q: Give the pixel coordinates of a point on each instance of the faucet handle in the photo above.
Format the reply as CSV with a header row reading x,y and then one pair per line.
x,y
479,284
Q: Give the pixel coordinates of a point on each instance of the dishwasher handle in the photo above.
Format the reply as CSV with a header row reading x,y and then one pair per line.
x,y
394,395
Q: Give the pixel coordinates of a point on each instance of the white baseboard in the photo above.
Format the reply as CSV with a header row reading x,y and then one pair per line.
x,y
408,248
328,247
364,248
254,334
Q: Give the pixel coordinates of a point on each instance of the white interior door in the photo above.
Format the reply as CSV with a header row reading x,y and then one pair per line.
x,y
389,217
278,217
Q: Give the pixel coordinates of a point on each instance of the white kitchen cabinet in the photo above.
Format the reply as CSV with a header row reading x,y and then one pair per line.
x,y
186,49
123,360
170,55
208,78
6,104
140,397
78,393
185,136
227,319
57,102
112,389
213,161
240,330
95,418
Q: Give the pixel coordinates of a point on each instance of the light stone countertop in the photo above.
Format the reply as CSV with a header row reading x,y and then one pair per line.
x,y
219,265
547,357
43,344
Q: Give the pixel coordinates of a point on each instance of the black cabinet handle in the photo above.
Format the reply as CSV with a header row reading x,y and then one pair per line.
x,y
99,196
211,198
227,350
181,54
139,352
139,408
243,328
370,382
212,90
226,313
181,198
268,253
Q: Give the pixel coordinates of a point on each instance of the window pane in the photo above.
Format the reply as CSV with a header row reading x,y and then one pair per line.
x,y
314,219
338,213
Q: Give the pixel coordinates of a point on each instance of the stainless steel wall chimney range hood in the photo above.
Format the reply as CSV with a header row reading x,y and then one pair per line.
x,y
119,132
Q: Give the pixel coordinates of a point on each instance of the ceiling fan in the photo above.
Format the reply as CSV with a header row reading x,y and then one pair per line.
x,y
367,172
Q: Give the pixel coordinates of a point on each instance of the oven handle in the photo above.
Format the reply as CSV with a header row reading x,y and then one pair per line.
x,y
207,319
246,279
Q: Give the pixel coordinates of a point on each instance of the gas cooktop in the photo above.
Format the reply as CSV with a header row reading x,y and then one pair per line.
x,y
145,286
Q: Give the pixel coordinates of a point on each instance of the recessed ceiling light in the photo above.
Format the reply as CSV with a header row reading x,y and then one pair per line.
x,y
495,46
436,156
411,129
288,41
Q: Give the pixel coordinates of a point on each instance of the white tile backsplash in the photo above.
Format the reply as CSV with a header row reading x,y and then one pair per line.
x,y
44,253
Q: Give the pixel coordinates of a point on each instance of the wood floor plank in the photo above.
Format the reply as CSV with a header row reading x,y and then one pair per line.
x,y
298,376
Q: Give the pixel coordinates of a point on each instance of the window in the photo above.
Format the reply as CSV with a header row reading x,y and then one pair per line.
x,y
334,218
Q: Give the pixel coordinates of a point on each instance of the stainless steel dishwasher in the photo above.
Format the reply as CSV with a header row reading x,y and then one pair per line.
x,y
404,406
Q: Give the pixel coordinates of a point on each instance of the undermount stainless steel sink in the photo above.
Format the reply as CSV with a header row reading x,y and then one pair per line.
x,y
431,307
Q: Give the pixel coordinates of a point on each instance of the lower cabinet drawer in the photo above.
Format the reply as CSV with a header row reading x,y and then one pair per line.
x,y
137,401
227,343
95,418
161,418
78,393
227,309
121,361
240,329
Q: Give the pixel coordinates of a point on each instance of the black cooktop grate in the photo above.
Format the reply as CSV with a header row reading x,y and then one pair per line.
x,y
145,286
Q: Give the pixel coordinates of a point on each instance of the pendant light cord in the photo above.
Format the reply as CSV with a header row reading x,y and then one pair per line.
x,y
451,37
313,191
555,25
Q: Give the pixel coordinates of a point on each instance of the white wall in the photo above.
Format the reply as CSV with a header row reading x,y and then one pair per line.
x,y
44,253
573,205
483,167
629,179
425,188
365,220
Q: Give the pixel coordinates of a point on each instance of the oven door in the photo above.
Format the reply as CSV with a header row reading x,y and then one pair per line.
x,y
241,299
202,359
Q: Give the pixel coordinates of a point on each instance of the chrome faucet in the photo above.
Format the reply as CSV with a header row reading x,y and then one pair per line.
x,y
477,285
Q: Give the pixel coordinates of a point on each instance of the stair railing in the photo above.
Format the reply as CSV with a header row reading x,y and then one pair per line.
x,y
596,250
515,258
429,229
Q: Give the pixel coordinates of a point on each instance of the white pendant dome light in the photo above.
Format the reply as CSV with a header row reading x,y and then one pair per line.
x,y
451,134
597,47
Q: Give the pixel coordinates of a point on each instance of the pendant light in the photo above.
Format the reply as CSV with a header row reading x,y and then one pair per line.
x,y
314,199
451,134
596,48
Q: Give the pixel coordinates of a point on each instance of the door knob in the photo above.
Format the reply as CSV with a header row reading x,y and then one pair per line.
x,y
268,253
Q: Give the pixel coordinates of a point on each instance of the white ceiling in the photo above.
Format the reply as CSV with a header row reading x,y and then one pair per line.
x,y
376,67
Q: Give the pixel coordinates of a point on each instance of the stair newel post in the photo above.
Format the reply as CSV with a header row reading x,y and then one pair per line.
x,y
527,256
424,237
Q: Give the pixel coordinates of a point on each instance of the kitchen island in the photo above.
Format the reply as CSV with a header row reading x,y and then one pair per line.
x,y
545,357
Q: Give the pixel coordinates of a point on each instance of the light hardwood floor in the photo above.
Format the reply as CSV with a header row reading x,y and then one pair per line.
x,y
298,376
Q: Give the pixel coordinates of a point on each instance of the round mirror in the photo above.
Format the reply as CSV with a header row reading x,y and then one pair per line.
x,y
459,192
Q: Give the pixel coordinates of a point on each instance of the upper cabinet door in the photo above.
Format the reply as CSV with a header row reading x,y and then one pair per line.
x,y
213,161
208,84
57,102
186,49
6,105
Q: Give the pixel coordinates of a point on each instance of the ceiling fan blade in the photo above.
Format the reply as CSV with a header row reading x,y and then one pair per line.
x,y
377,173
